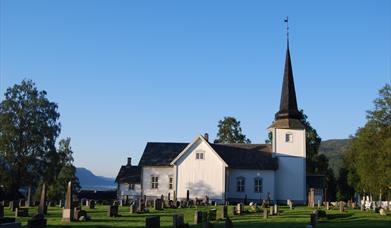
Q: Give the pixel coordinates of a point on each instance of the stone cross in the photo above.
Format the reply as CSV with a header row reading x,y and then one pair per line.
x,y
68,211
42,209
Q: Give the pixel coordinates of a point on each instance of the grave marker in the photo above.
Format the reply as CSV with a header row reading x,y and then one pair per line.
x,y
152,222
178,221
68,211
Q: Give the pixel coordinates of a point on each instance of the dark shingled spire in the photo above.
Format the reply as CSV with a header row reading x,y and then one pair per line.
x,y
288,103
288,116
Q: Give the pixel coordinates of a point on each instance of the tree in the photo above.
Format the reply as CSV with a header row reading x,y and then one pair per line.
x,y
61,171
230,131
368,158
28,130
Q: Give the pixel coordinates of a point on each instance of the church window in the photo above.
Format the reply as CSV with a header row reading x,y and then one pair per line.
x,y
200,155
240,183
171,183
288,137
155,182
258,184
131,186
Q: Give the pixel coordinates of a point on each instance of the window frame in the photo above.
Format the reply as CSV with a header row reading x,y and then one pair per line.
x,y
200,155
288,137
154,182
258,187
240,184
131,187
170,182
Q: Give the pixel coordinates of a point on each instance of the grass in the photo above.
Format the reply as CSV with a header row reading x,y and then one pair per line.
x,y
299,217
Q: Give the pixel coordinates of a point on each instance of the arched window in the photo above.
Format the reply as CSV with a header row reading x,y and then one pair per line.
x,y
240,184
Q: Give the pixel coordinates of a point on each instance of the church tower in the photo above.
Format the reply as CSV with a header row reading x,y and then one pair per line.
x,y
289,142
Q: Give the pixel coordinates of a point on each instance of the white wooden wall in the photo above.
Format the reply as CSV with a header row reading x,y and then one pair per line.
x,y
163,173
125,191
201,177
249,175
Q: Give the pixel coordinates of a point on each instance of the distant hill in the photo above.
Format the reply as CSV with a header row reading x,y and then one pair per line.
x,y
88,180
333,149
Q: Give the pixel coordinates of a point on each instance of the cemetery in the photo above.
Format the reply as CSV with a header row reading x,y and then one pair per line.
x,y
151,215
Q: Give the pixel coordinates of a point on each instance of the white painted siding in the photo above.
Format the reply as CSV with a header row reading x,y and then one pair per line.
x,y
267,177
201,176
125,191
163,173
291,179
294,148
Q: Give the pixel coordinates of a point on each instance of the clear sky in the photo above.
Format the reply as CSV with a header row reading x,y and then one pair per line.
x,y
127,72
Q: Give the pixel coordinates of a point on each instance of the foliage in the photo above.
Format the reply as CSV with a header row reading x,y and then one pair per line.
x,y
29,127
368,158
230,131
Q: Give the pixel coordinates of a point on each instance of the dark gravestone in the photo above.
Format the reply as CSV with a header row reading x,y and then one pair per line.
x,y
91,204
187,195
313,220
178,221
113,211
79,213
21,212
158,204
198,217
42,209
1,211
212,214
37,221
152,222
207,224
225,211
228,223
67,212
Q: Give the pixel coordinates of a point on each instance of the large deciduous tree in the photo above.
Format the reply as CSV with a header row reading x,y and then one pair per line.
x,y
230,131
368,158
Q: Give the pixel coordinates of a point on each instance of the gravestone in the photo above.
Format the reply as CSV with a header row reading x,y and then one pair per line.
x,y
197,217
13,205
21,212
78,214
187,195
341,206
271,208
133,207
178,221
37,221
28,202
313,220
290,204
207,224
1,211
239,208
43,209
228,223
212,214
327,205
382,212
311,198
225,211
112,211
318,204
68,211
22,203
265,213
275,209
152,222
158,204
141,206
91,204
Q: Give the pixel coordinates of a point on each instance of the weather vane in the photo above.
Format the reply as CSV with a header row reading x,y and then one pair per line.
x,y
287,28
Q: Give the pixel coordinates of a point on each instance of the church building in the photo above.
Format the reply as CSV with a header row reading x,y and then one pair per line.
x,y
227,172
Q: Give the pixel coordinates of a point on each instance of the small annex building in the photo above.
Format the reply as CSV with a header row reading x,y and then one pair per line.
x,y
227,172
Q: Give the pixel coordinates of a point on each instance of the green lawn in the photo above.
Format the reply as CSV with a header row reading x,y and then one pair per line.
x,y
298,217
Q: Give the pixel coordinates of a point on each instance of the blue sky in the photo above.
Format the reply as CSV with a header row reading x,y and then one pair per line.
x,y
127,72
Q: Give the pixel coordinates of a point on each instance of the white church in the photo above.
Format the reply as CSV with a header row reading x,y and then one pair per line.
x,y
227,172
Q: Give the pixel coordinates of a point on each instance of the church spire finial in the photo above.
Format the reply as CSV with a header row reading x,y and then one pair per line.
x,y
286,20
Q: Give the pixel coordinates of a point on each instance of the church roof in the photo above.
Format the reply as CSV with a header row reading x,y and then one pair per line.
x,y
288,116
237,156
129,174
